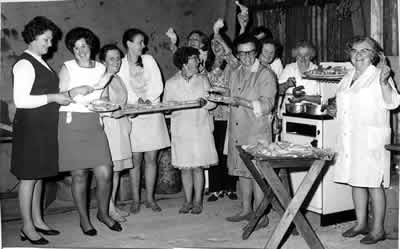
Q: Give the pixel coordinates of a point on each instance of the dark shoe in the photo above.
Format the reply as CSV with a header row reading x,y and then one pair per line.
x,y
50,232
90,232
237,218
197,208
135,207
262,223
350,233
115,227
41,241
213,197
370,239
154,206
232,195
186,208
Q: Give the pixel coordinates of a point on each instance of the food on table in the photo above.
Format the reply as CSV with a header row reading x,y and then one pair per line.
x,y
286,149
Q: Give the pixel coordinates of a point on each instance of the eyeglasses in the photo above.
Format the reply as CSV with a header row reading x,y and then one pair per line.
x,y
246,53
363,51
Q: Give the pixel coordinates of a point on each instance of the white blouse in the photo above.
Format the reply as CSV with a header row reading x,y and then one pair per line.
x,y
24,77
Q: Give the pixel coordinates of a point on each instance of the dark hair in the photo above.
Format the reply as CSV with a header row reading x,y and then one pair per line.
x,y
277,45
78,33
181,56
211,56
247,38
262,30
203,38
37,26
106,48
377,49
129,35
304,44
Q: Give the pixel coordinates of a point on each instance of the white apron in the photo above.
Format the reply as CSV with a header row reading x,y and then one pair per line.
x,y
364,129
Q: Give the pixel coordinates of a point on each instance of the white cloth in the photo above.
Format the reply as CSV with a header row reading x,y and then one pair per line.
x,y
149,131
364,129
277,66
192,140
23,79
80,76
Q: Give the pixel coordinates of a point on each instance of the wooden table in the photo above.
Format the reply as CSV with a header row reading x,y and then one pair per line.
x,y
265,172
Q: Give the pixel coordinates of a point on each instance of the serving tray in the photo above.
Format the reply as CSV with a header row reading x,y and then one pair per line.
x,y
162,107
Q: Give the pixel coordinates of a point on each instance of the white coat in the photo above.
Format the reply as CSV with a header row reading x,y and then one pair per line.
x,y
364,129
149,131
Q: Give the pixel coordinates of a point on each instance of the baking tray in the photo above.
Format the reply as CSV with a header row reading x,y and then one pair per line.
x,y
162,107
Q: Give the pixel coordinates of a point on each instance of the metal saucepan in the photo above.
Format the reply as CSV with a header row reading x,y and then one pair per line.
x,y
295,108
314,109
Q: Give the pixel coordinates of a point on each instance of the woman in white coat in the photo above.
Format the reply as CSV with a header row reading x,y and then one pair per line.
x,y
149,133
363,100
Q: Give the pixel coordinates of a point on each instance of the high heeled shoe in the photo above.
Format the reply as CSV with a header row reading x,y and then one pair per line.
x,y
41,241
50,232
115,227
90,232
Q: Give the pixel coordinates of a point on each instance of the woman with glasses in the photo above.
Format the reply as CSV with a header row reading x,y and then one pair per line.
x,y
252,88
192,141
364,98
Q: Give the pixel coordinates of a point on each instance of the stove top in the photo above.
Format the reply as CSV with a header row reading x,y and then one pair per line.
x,y
309,116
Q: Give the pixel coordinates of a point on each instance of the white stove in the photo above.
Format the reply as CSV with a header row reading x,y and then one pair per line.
x,y
320,132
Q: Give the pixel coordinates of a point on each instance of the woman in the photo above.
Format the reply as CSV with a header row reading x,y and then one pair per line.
x,y
364,97
83,143
149,133
219,63
193,145
253,89
269,56
34,149
117,129
196,39
305,90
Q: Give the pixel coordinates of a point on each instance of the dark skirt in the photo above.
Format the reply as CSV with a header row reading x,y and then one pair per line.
x,y
82,142
35,148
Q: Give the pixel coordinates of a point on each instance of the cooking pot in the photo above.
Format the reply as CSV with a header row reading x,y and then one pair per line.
x,y
295,108
314,109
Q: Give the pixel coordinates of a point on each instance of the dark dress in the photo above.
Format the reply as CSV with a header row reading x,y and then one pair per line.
x,y
35,146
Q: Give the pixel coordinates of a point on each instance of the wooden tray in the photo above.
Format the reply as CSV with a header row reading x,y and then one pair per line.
x,y
162,107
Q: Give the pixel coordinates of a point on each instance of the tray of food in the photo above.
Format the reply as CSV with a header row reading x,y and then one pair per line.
x,y
326,73
101,105
286,150
142,108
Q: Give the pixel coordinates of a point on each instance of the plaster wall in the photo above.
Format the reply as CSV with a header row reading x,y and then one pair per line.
x,y
108,19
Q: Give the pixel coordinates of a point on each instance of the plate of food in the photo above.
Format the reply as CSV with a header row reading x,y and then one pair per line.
x,y
329,73
101,105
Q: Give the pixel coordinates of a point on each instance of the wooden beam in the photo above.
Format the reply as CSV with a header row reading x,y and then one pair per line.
x,y
290,4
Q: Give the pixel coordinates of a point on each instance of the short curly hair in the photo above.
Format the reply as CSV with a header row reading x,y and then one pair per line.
x,y
203,38
376,48
82,33
181,56
38,26
106,48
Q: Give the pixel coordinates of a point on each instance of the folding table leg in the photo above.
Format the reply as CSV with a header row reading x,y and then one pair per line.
x,y
293,205
264,187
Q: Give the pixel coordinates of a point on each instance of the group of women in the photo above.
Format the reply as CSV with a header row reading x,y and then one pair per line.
x,y
65,136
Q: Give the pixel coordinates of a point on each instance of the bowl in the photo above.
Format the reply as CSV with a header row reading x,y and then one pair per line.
x,y
314,109
295,108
